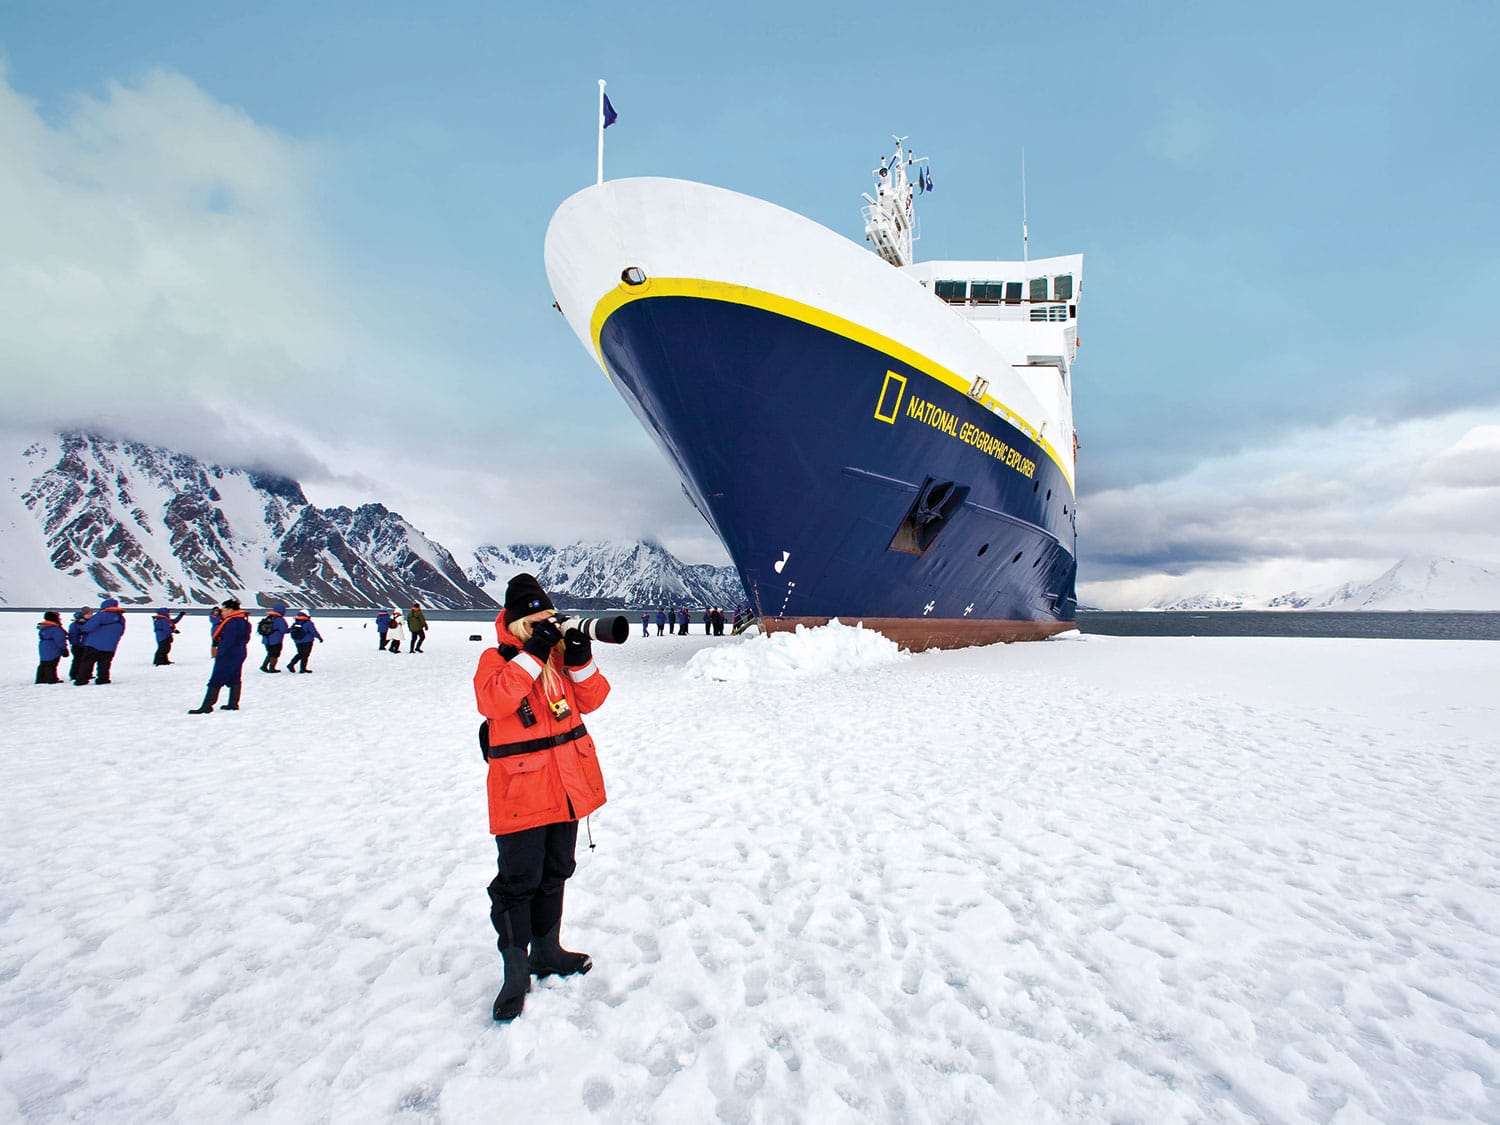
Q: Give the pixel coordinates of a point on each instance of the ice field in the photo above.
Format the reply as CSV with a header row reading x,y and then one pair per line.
x,y
1092,879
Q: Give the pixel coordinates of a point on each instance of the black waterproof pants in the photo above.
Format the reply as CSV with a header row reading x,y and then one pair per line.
x,y
163,651
93,663
533,863
46,671
83,664
417,637
303,651
273,654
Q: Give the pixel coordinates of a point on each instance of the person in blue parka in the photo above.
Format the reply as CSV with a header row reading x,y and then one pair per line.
x,y
51,646
275,620
383,625
304,633
166,628
75,639
101,636
231,643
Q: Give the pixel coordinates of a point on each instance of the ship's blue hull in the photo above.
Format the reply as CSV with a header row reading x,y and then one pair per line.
x,y
881,492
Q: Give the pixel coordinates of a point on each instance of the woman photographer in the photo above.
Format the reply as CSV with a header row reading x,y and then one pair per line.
x,y
533,690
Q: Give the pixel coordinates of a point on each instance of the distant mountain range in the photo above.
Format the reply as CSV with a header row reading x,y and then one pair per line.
x,y
83,516
609,575
1411,584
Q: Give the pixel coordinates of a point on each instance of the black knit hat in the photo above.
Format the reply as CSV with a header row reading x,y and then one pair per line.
x,y
524,596
230,603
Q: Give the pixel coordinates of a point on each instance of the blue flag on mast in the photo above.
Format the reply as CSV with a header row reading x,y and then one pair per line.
x,y
610,116
927,178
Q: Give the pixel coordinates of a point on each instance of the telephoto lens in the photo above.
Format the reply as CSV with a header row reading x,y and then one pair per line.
x,y
607,630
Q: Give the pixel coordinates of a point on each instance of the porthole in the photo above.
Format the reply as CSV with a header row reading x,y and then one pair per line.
x,y
1035,485
1049,494
983,549
633,275
1036,562
1015,558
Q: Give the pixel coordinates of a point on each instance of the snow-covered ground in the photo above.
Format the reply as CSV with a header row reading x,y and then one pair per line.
x,y
1095,879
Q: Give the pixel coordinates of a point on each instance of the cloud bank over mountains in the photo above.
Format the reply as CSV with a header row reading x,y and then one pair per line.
x,y
1313,510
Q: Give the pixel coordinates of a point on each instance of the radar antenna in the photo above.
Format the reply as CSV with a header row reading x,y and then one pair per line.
x,y
889,222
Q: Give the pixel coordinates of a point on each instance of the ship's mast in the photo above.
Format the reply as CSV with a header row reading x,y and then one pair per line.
x,y
1025,249
888,214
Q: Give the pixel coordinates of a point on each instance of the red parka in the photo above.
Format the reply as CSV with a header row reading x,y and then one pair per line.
x,y
530,788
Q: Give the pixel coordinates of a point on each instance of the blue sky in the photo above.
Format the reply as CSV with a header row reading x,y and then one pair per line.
x,y
1292,250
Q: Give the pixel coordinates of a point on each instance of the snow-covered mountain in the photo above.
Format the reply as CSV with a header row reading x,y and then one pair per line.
x,y
603,574
1411,584
1434,584
1201,602
82,515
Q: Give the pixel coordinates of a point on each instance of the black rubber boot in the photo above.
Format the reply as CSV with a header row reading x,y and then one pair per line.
x,y
234,699
515,931
210,697
548,957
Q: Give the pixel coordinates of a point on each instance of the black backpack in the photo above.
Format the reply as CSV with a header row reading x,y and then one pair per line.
x,y
265,628
299,630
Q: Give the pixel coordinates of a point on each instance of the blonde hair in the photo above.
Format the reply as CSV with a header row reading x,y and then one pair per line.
x,y
521,630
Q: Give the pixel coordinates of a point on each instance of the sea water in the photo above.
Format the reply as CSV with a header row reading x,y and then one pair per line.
x,y
1416,625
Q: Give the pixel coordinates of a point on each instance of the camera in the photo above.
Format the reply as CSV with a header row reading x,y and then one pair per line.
x,y
608,630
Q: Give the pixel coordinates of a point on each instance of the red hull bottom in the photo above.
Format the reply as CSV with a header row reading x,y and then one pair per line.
x,y
918,633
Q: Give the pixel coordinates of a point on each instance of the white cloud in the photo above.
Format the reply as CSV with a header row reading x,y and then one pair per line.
x,y
164,276
156,253
1320,507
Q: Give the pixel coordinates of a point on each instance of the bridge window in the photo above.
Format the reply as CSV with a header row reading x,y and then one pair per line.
x,y
989,292
1062,287
1038,288
1012,292
951,290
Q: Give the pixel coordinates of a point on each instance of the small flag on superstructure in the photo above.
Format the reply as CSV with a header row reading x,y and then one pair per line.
x,y
610,116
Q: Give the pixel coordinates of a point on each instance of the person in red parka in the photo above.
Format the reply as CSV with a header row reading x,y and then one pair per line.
x,y
533,690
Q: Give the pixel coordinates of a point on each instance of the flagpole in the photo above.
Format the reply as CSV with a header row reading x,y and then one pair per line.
x,y
600,180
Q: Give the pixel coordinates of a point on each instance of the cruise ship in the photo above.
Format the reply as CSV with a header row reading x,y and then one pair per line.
x,y
873,438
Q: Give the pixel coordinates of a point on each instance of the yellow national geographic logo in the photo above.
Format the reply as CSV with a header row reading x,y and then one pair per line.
x,y
890,397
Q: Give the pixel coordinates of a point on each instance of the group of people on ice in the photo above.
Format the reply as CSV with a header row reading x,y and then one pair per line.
x,y
90,640
393,630
274,629
677,621
231,645
93,638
